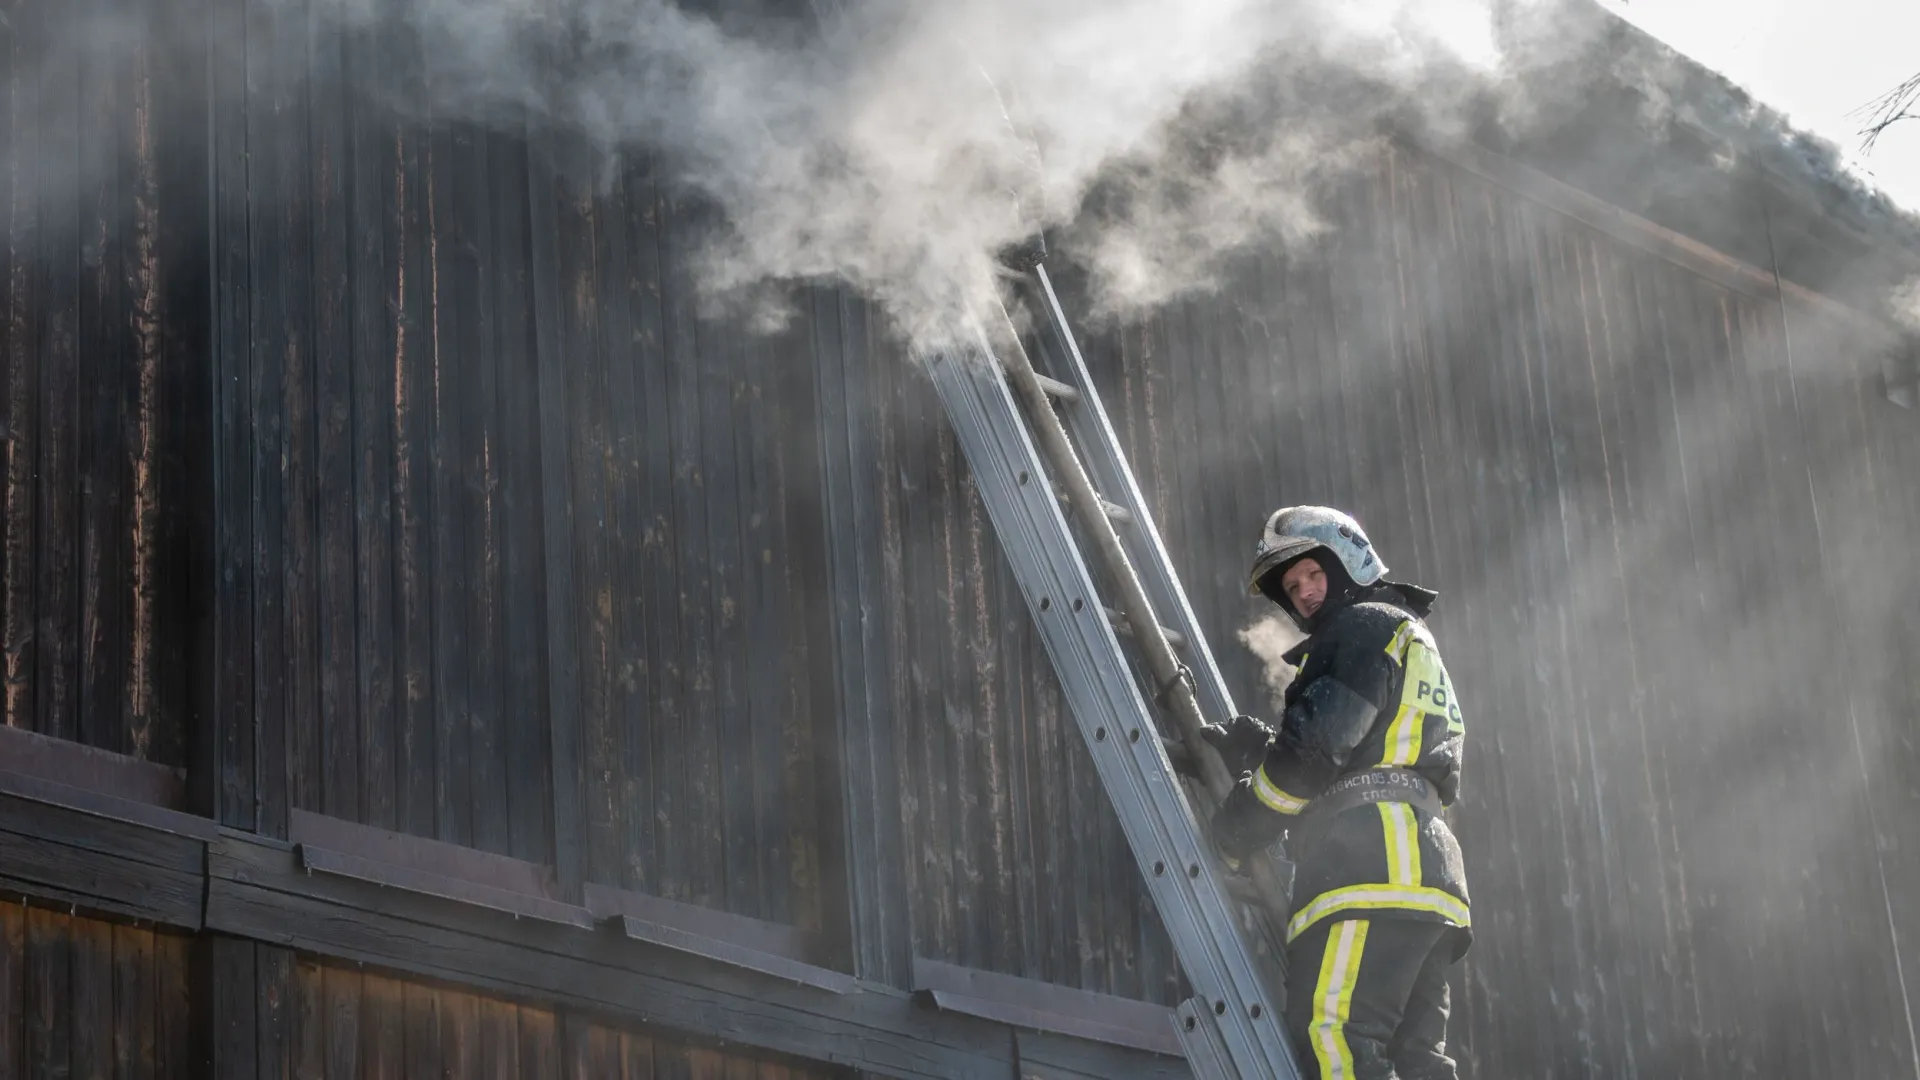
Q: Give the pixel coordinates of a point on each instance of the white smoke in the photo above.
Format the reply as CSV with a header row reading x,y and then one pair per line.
x,y
1905,304
899,147
1268,638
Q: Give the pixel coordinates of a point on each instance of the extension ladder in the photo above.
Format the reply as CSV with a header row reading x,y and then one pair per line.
x,y
1061,448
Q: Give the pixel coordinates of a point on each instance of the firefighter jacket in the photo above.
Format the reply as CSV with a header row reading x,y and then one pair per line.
x,y
1370,693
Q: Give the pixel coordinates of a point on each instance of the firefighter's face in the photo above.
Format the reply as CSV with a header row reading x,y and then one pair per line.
x,y
1306,586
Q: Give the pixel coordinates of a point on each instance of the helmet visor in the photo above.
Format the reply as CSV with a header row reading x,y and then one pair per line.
x,y
1285,551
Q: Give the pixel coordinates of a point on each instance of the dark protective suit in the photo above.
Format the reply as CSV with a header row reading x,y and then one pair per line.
x,y
1380,907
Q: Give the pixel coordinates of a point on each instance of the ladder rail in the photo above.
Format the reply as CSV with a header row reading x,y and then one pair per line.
x,y
1169,674
1099,444
1236,1013
1180,686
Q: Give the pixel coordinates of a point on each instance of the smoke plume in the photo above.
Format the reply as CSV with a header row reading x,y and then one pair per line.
x,y
1268,638
900,147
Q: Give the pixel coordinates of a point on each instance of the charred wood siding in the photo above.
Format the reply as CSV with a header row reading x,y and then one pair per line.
x,y
83,998
512,527
100,218
1653,517
422,457
86,998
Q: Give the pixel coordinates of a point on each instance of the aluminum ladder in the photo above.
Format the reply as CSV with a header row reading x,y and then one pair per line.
x,y
1019,428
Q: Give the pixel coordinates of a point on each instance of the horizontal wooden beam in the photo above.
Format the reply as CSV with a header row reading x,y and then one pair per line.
x,y
85,858
70,763
440,912
258,890
1681,250
1047,1007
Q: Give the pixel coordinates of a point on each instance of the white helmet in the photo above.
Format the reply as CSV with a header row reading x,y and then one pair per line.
x,y
1294,531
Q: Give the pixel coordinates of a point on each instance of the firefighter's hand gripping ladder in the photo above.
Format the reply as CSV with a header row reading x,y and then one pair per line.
x,y
1024,464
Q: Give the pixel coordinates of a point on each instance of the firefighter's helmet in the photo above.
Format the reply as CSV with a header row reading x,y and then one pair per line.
x,y
1294,531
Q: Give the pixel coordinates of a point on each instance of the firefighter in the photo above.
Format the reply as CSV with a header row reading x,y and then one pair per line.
x,y
1364,759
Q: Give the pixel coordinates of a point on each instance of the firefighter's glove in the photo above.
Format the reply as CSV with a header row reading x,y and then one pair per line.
x,y
1241,743
1244,824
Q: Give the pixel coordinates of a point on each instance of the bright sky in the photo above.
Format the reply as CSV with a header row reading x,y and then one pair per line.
x,y
1814,60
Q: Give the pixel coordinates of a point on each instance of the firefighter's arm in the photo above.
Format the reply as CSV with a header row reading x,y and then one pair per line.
x,y
1326,719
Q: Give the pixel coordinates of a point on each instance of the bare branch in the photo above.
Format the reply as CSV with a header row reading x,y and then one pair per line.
x,y
1900,103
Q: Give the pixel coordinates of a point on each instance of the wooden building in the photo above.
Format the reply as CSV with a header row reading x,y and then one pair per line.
x,y
432,647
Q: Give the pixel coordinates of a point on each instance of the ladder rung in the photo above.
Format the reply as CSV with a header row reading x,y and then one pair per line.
x,y
1125,629
1058,389
1116,513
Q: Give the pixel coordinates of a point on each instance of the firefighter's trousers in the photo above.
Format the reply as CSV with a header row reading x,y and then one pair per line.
x,y
1367,1000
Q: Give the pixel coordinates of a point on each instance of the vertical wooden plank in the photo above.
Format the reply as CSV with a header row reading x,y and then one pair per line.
x,y
135,1005
451,367
227,747
176,416
274,997
228,1007
673,1061
930,673
574,1039
591,475
13,988
57,600
25,268
806,719
376,273
705,1064
101,358
539,1045
278,237
624,347
636,1056
695,826
289,755
421,1030
556,513
173,965
479,490
741,1068
871,923
459,1035
341,996
383,1029
730,800
90,1010
521,510
497,1052
308,1016
629,343
758,426
813,817
337,768
49,989
647,508
409,372
149,706
15,129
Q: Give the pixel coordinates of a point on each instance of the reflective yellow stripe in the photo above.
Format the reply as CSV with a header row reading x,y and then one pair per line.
x,y
1397,647
1379,898
1270,794
1404,736
1402,829
1333,999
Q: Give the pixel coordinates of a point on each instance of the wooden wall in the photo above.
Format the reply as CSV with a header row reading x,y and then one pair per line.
x,y
98,345
95,1001
387,468
1669,539
81,998
491,470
